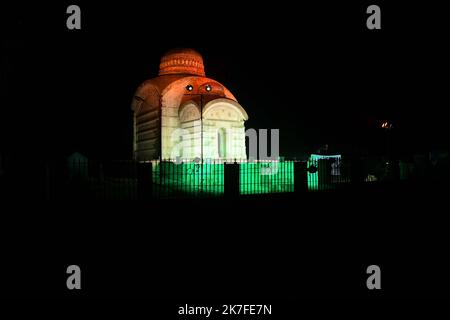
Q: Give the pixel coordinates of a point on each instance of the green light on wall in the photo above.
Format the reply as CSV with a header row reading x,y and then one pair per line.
x,y
189,178
266,177
208,178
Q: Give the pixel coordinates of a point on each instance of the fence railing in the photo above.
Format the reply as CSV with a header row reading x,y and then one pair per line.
x,y
266,177
326,174
130,180
187,179
96,180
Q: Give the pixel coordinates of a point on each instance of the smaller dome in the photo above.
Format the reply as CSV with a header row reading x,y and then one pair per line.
x,y
182,61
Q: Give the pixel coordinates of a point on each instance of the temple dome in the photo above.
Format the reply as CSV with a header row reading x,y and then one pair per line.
x,y
182,61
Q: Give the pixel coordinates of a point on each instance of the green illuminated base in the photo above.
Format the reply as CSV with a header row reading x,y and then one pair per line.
x,y
208,178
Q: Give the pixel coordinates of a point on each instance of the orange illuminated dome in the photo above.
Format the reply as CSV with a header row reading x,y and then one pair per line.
x,y
182,61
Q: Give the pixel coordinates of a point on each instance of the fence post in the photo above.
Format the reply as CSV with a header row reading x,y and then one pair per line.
x,y
357,171
300,177
144,180
231,179
324,170
395,170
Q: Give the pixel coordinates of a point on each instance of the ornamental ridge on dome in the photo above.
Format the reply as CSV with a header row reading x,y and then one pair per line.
x,y
182,61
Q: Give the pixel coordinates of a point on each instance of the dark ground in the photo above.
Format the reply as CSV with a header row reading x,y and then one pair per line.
x,y
314,245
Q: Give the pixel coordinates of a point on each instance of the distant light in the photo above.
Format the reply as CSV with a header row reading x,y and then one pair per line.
x,y
386,125
208,87
189,87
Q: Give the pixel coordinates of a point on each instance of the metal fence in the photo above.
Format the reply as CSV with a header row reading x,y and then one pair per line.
x,y
188,179
326,174
194,179
123,180
266,177
106,180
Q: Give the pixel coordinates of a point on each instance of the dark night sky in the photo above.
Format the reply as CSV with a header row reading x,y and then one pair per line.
x,y
312,70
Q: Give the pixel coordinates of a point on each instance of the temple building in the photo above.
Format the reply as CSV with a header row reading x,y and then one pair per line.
x,y
182,113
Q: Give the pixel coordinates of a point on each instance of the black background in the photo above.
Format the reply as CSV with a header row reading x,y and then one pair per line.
x,y
311,69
